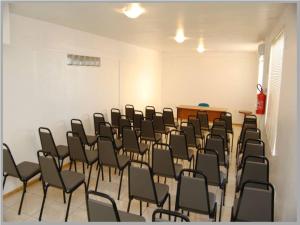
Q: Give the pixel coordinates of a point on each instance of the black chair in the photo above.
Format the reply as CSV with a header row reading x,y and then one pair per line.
x,y
137,120
149,112
255,204
131,144
192,194
159,125
124,122
221,131
48,146
24,171
68,181
168,117
78,153
106,130
129,112
107,156
250,133
208,164
101,211
115,115
227,116
163,162
77,127
141,186
98,119
242,135
254,168
148,133
195,121
168,213
250,119
203,117
178,143
189,130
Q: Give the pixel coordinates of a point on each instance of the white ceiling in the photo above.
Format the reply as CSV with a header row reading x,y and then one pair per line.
x,y
224,26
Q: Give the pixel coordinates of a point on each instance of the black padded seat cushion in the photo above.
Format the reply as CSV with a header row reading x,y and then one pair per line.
x,y
92,156
72,179
123,160
28,169
161,190
63,151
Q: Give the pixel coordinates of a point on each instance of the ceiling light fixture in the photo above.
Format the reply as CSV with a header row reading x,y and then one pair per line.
x,y
200,47
180,38
133,10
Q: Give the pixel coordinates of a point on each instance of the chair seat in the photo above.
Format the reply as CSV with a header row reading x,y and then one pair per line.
x,y
123,160
162,190
178,168
28,170
92,156
72,179
63,151
129,217
91,139
118,143
156,139
143,147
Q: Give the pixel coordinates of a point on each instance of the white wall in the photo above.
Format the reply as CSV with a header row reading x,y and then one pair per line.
x,y
283,166
39,89
223,79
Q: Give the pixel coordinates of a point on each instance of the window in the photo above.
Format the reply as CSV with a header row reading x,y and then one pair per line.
x,y
273,94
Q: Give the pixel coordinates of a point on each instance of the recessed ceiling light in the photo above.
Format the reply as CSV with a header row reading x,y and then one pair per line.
x,y
133,10
180,38
200,47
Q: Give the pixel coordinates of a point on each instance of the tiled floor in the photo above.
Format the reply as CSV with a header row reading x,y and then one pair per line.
x,y
55,209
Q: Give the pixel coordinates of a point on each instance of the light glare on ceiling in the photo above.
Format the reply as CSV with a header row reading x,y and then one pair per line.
x,y
180,38
133,10
200,47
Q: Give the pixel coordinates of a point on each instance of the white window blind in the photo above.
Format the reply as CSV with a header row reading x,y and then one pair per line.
x,y
273,94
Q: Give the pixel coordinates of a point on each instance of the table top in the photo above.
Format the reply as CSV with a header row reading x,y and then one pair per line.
x,y
201,108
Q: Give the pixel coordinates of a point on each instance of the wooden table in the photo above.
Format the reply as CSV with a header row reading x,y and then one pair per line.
x,y
184,111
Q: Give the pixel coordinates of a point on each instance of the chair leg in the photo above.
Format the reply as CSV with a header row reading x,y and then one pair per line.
x,y
71,162
169,206
22,198
120,186
64,195
102,171
231,142
43,203
220,213
97,178
89,176
129,203
4,180
61,164
140,208
165,180
75,166
83,168
68,208
109,172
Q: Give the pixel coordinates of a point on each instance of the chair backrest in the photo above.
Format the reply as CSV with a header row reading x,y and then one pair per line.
x,y
129,111
141,183
192,192
162,160
203,116
250,119
189,130
219,122
168,117
244,128
254,147
158,122
115,117
130,140
147,129
221,131
47,141
196,123
105,130
50,171
175,214
106,152
208,164
227,116
101,211
217,143
9,164
178,143
78,128
124,122
137,119
255,204
149,112
75,147
98,119
251,133
255,168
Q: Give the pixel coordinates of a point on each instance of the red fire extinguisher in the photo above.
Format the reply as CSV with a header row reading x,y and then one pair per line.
x,y
261,100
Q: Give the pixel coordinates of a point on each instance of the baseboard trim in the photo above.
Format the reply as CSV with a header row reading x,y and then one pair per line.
x,y
33,181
